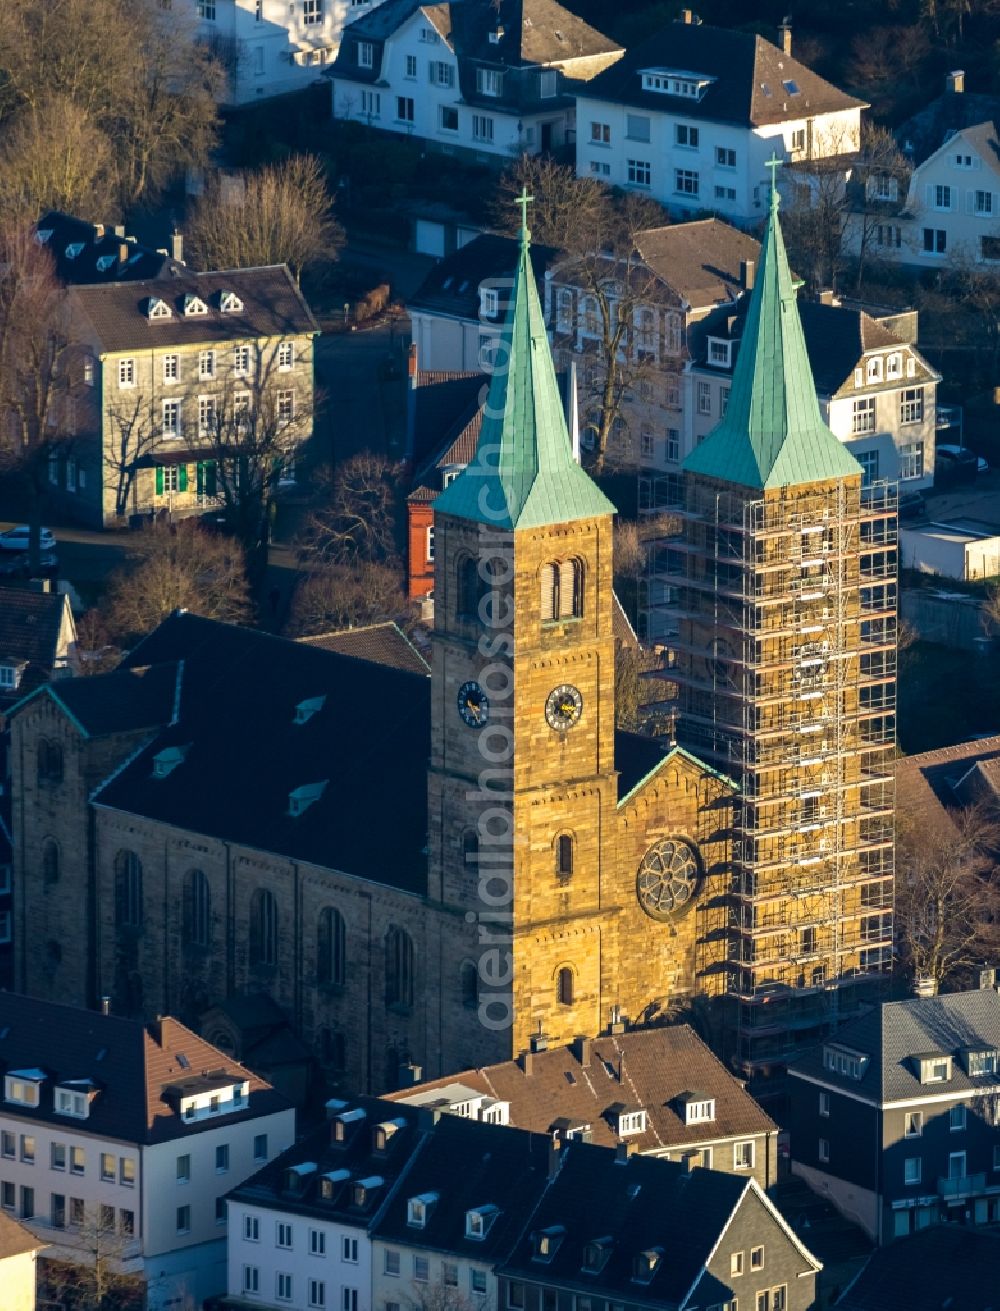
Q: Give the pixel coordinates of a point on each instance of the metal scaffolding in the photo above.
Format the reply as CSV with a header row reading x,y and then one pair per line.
x,y
778,611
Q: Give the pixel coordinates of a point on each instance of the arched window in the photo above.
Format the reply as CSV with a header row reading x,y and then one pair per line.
x,y
128,890
470,984
564,856
470,587
672,335
330,948
50,761
564,309
562,590
263,928
564,986
197,909
470,850
50,861
398,969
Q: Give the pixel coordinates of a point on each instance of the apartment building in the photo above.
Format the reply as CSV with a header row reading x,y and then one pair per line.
x,y
123,1139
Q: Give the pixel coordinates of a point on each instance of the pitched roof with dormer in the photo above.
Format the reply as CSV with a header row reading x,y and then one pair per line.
x,y
523,474
773,434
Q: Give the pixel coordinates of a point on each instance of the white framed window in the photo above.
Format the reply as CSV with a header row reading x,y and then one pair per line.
x,y
286,356
317,1242
935,241
348,1299
170,424
349,1250
241,361
798,139
285,406
823,1151
824,1104
647,445
956,1118
21,1087
404,109
477,1278
317,1293
206,364
911,460
699,1112
863,416
911,405
283,1286
251,1228
913,1124
441,73
371,103
757,1258
126,373
911,1170
686,182
489,81
873,369
448,119
639,172
942,196
390,1264
600,168
963,161
882,186
184,1219
71,1102
673,445
889,234
206,415
724,157
482,128
720,352
704,398
489,302
206,10
366,54
421,1269
982,204
637,127
312,12
171,368
283,1235
251,1279
411,66
686,136
894,365
735,1264
600,134
743,1155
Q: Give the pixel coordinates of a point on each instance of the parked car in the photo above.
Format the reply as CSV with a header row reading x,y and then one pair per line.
x,y
959,458
17,539
912,505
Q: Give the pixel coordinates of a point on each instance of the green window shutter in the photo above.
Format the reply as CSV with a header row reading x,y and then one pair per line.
x,y
182,477
159,480
210,479
200,476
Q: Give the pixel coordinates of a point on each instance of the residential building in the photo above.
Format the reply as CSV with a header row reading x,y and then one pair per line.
x,y
19,1250
931,784
90,253
169,375
271,47
124,1138
458,310
345,885
659,1090
893,1117
784,586
876,392
381,644
674,277
949,1264
691,115
468,78
300,1229
37,640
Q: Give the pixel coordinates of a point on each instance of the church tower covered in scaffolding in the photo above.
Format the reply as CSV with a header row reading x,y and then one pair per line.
x,y
785,651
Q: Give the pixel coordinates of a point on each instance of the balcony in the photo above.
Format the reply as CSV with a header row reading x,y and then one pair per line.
x,y
961,1187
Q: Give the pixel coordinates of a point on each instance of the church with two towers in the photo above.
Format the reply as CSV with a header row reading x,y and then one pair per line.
x,y
438,870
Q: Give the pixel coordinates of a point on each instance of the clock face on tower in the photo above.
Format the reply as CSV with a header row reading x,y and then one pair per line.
x,y
473,705
563,707
667,878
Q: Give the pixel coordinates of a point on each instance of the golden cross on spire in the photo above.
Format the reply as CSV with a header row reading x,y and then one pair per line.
x,y
524,200
774,163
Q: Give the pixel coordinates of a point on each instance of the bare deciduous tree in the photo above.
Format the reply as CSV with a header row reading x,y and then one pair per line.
x,y
280,214
176,566
947,891
54,157
359,509
132,434
340,596
617,296
98,1280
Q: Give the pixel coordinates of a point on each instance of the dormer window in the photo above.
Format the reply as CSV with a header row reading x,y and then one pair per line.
x,y
546,1242
595,1255
873,369
74,249
11,672
105,262
645,1264
194,306
894,365
364,1189
345,1122
489,81
303,797
167,760
419,1208
979,1060
933,1067
230,303
719,352
841,1060
383,1134
158,309
74,1098
631,1122
297,1176
478,1221
489,302
329,1184
22,1087
667,82
305,710
698,1109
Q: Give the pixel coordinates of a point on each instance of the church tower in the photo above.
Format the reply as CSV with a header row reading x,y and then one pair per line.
x,y
786,667
522,748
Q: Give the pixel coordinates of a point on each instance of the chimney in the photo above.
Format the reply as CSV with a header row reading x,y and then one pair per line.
x,y
105,1005
177,246
40,584
785,32
954,82
748,270
539,1042
623,1151
827,297
120,230
581,1049
409,1074
555,1156
123,252
526,1062
687,17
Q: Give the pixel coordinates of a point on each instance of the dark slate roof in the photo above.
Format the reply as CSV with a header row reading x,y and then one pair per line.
x,y
15,1239
272,307
357,1154
500,1166
944,1268
452,286
894,1032
100,242
131,1064
640,1204
636,756
123,701
931,126
371,713
648,1067
440,405
30,625
381,644
699,260
748,73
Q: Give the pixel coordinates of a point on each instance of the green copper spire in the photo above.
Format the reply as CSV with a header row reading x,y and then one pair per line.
x,y
523,474
772,434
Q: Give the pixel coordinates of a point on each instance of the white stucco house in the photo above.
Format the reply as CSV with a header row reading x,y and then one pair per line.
x,y
19,1249
122,1138
469,77
272,47
690,117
